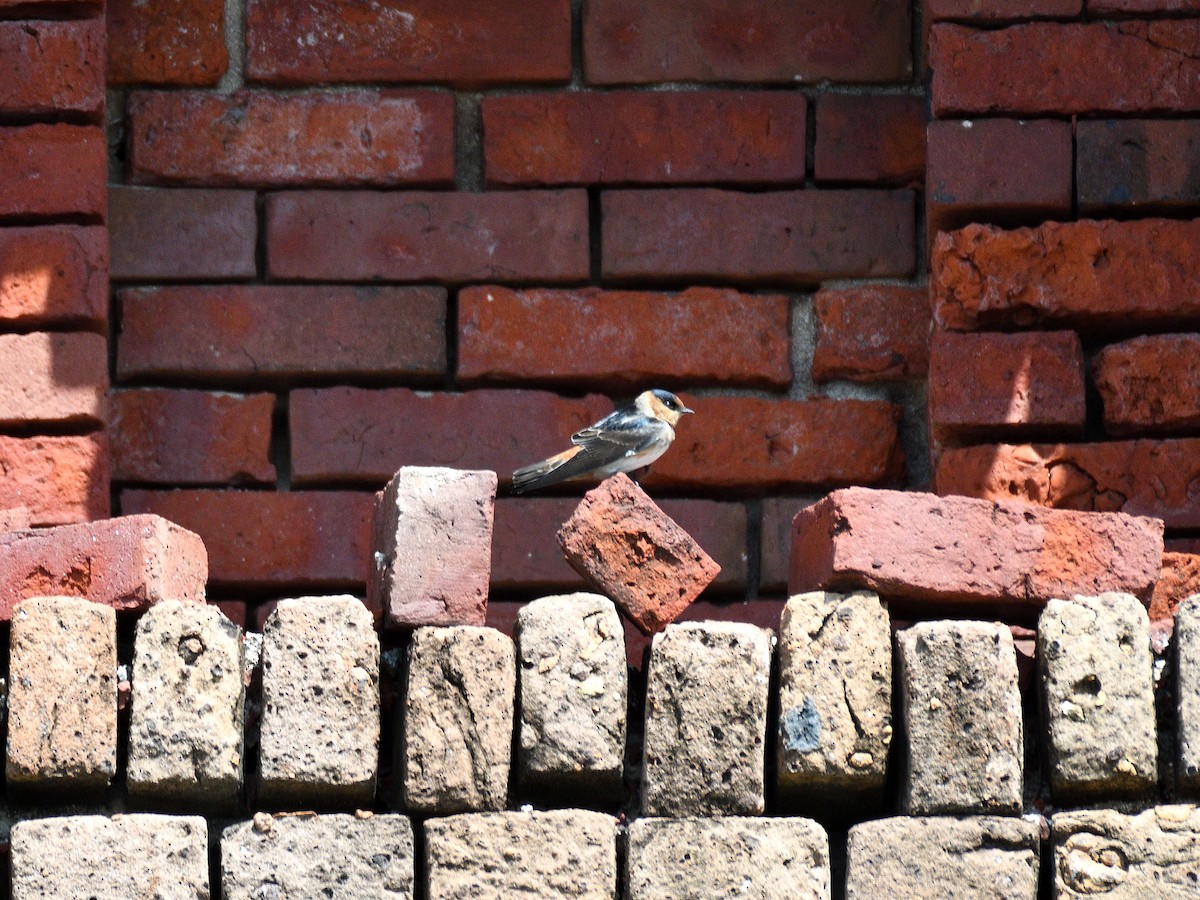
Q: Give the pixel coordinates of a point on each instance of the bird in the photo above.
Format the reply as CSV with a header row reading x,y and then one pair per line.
x,y
629,438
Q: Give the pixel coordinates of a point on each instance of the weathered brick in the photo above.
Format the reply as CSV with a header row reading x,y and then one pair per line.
x,y
1137,163
1187,694
182,235
181,45
54,275
415,236
320,690
626,42
456,749
52,68
870,139
623,339
62,697
1004,10
433,546
778,237
955,549
54,170
53,378
1133,7
58,480
260,334
14,518
461,43
626,547
875,332
1150,384
1179,580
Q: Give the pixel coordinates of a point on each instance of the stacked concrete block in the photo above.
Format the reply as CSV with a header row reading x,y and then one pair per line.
x,y
1187,695
706,720
962,715
1097,686
319,741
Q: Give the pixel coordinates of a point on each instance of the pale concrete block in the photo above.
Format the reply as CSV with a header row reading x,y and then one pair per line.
x,y
1187,695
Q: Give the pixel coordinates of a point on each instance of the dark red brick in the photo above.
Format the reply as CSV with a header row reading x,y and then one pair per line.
x,y
623,339
993,11
182,235
53,378
775,541
1139,7
876,332
459,42
413,236
55,275
634,136
48,68
870,139
1150,384
233,610
58,480
180,44
54,170
261,139
17,9
628,42
1137,163
792,237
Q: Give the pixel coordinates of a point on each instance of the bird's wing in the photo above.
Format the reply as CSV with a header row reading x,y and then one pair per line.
x,y
619,436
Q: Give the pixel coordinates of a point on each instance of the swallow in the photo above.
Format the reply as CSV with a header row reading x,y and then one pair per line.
x,y
629,438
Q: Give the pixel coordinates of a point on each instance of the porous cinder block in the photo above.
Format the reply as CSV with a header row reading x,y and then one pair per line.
x,y
127,856
962,716
458,720
698,858
320,687
706,720
185,738
630,550
62,696
1097,686
539,855
433,546
835,699
573,693
306,855
1187,697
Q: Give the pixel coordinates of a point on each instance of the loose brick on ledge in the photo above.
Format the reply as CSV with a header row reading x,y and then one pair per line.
x,y
624,339
1179,580
1124,164
1150,384
508,236
320,693
62,697
993,11
780,237
263,139
1187,693
727,857
877,332
54,275
54,170
870,139
58,480
127,563
53,378
52,67
456,749
1148,854
999,554
433,546
181,45
706,720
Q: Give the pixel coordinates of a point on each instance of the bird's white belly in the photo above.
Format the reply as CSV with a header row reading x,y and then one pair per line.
x,y
635,460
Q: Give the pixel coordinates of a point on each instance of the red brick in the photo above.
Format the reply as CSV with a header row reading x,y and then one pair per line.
x,y
1183,545
627,548
48,68
1179,580
54,170
54,275
956,550
1006,384
459,42
623,339
1047,68
629,42
262,334
53,377
15,519
634,136
870,139
261,139
1140,164
792,237
775,541
180,44
1134,7
1004,10
16,9
128,563
1150,384
414,236
190,437
182,235
344,434
876,332
58,480
1103,275
318,540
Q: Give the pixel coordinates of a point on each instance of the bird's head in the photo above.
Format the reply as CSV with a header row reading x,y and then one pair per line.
x,y
661,405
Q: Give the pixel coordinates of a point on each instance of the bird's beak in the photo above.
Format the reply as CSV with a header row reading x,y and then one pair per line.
x,y
684,409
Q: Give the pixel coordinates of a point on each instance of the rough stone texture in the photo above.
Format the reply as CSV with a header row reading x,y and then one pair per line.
x,y
706,720
871,333
627,548
962,716
835,699
433,546
458,720
58,480
54,170
1187,695
337,856
320,688
53,378
185,739
128,563
956,549
125,857
695,859
1097,689
51,68
943,858
535,855
182,44
62,697
56,274
870,139
1150,384
1155,853
573,694
1135,163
